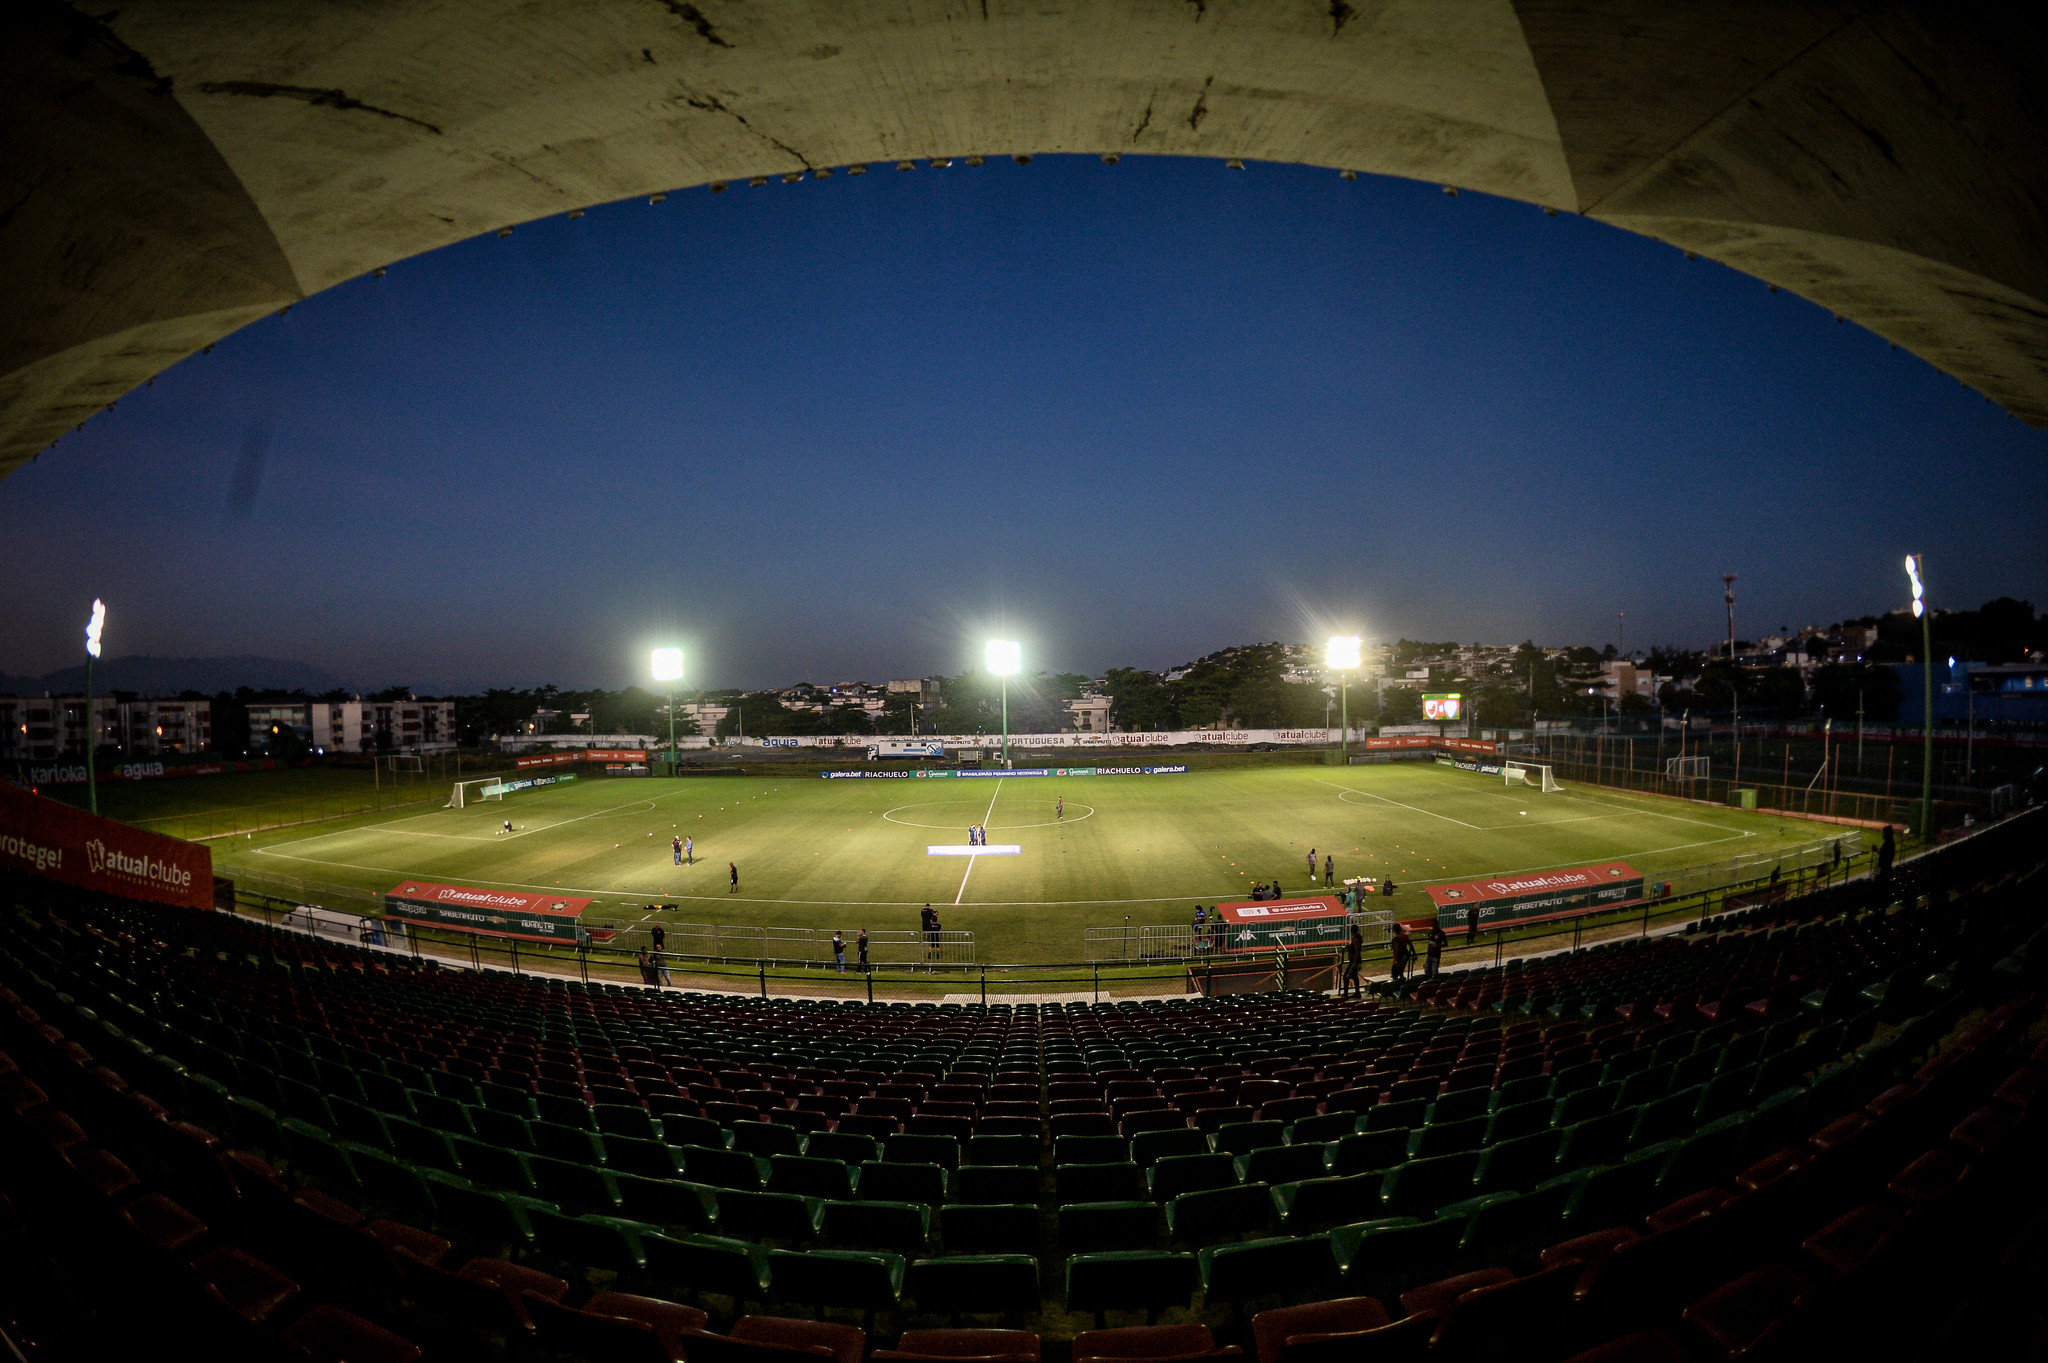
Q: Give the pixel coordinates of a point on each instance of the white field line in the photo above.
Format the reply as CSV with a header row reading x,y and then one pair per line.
x,y
1416,808
984,823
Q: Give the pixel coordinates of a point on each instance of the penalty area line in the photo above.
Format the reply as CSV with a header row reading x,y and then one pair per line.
x,y
971,857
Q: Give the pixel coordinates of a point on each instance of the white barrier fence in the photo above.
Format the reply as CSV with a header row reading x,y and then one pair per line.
x,y
1157,943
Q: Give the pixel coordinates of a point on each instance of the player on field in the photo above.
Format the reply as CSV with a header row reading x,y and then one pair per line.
x,y
1311,865
1059,806
1329,870
508,825
689,851
675,845
733,869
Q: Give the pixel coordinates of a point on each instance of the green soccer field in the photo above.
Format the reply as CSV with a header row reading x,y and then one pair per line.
x,y
853,853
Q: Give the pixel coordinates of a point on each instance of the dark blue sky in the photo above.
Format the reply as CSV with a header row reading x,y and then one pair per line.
x,y
1129,414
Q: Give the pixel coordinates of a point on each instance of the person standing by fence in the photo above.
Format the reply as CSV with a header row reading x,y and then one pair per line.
x,y
861,946
1437,941
1354,952
839,950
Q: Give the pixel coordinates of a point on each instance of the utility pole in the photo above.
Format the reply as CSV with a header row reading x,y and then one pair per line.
x,y
1621,633
1916,565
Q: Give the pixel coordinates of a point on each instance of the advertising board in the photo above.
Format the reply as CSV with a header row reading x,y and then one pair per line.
x,y
44,838
1505,900
496,913
1262,925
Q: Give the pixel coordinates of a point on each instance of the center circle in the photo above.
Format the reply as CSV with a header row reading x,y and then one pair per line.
x,y
1072,817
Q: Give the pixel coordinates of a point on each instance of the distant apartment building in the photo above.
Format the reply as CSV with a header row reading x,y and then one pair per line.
x,y
1619,678
1089,714
267,717
380,725
44,728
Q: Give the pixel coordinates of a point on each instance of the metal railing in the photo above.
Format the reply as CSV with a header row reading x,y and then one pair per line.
x,y
725,943
1162,943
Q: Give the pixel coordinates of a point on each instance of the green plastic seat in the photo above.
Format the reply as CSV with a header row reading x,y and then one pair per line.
x,y
1241,1138
1322,1128
1385,1258
580,1187
564,1111
304,1101
767,1138
459,1087
443,1114
493,1164
1284,1266
591,1241
989,1227
1370,1150
1458,1106
1448,1138
693,1131
503,1129
765,1216
809,1177
1776,1122
858,1280
1508,1228
423,1145
980,1284
1149,1147
647,1158
1394,1116
693,1264
624,1119
1285,1163
1177,1174
316,1158
1100,1182
1422,1185
1614,1195
899,1227
1090,1150
689,1207
1215,1213
1335,1200
496,1222
253,1126
1522,1119
1708,1156
884,1181
557,1141
720,1168
848,1147
387,1183
1584,1104
905,1148
1092,1227
513,1102
359,1122
1597,1140
1135,1280
1005,1150
995,1183
1516,1165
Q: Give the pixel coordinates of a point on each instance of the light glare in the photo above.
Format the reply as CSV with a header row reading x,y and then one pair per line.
x,y
94,626
1005,657
668,664
1342,651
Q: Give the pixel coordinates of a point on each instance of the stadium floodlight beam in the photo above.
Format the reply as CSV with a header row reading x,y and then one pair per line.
x,y
1005,658
668,667
1916,567
1341,654
93,629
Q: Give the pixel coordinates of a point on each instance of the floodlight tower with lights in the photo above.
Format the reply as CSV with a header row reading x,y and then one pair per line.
x,y
668,667
1341,656
1005,658
1728,579
1916,564
93,627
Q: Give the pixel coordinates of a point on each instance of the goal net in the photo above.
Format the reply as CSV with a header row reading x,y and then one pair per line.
x,y
1687,768
469,792
1535,774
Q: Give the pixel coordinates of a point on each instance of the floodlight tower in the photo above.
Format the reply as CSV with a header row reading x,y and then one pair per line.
x,y
1916,564
1341,656
1728,579
668,667
1005,659
93,627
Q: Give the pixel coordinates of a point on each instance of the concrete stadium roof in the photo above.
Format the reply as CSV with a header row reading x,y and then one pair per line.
x,y
178,168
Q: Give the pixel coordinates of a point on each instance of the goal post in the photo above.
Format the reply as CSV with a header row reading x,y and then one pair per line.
x,y
483,788
1537,774
1687,768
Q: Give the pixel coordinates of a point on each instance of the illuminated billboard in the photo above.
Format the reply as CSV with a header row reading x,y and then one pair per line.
x,y
1443,707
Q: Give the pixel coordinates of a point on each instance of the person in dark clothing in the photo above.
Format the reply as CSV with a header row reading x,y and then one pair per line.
x,y
1387,887
733,869
1472,926
928,921
1329,870
1404,952
1887,852
657,936
1437,941
1354,951
646,967
861,944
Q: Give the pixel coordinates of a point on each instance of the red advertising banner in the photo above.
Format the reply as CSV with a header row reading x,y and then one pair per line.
x,y
502,913
561,759
1536,894
44,838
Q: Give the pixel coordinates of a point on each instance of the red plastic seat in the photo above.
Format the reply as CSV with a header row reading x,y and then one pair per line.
x,y
1733,1319
332,1335
1271,1329
846,1343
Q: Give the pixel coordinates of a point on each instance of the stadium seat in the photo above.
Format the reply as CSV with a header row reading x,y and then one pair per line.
x,y
1212,1214
1177,1174
988,1284
900,1227
782,1217
1383,1258
704,1263
1099,1182
995,1183
1130,1281
910,1148
989,1228
1149,1147
1420,1185
807,1176
987,1149
859,1280
720,1168
1090,1227
1319,1203
890,1182
999,1346
1094,1149
667,1202
1286,1266
1148,1342
593,1241
840,1343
